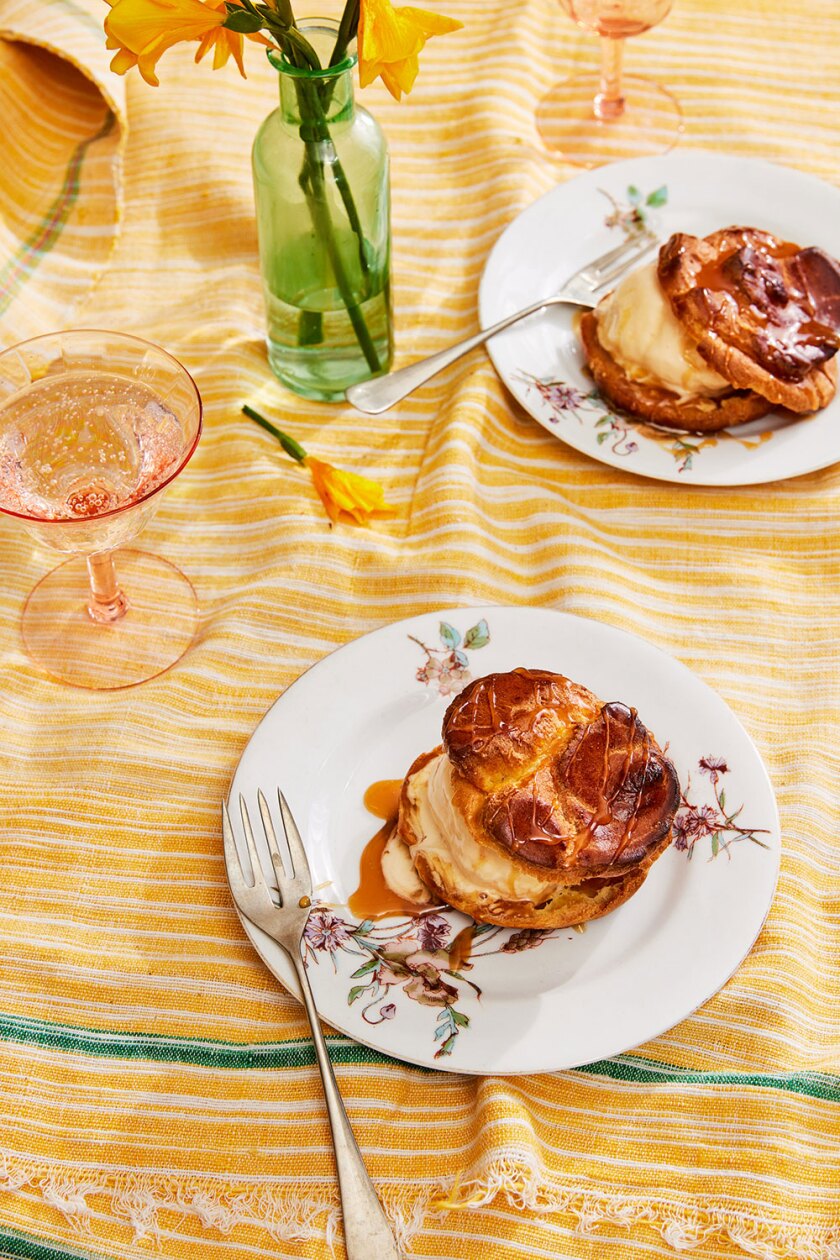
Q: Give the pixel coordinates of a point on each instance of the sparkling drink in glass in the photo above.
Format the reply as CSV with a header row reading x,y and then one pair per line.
x,y
93,427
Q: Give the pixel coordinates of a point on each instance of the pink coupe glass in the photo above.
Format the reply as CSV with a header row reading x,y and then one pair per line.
x,y
93,427
595,118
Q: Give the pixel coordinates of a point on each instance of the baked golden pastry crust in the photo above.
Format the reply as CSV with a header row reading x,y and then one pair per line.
x,y
568,791
659,405
763,313
493,729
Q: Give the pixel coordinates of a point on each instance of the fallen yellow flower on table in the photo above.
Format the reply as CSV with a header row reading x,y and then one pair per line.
x,y
391,39
142,31
343,494
347,493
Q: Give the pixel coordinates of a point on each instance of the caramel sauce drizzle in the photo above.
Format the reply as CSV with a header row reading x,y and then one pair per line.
x,y
461,948
482,726
713,274
790,322
479,713
750,443
703,443
374,899
602,814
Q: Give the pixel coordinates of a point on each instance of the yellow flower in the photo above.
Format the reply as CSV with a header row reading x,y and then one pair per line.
x,y
343,494
390,41
142,30
227,43
347,494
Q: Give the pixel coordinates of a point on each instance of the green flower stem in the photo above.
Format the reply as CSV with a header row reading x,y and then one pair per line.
x,y
313,182
350,206
322,220
282,27
319,104
320,121
282,9
290,446
347,29
303,46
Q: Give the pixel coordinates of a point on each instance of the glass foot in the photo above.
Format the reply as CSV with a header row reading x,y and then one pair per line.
x,y
158,626
650,123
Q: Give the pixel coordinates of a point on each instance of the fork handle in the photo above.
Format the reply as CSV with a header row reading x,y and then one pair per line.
x,y
382,392
367,1232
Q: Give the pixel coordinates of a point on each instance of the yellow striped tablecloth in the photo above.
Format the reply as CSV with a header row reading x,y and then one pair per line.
x,y
156,1084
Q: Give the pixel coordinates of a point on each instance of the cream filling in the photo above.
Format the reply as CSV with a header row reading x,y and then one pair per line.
x,y
400,874
444,835
637,327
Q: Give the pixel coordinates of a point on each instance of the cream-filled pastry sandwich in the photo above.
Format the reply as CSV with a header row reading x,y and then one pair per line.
x,y
637,327
718,331
542,808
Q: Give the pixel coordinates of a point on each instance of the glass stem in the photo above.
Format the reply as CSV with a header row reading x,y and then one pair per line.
x,y
107,602
609,103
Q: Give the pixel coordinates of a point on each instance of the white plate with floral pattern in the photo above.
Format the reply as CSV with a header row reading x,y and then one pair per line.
x,y
540,360
528,1001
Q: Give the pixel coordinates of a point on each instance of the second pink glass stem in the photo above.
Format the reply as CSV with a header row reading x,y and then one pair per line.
x,y
609,103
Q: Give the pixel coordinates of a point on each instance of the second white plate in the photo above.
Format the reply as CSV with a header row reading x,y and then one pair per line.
x,y
540,360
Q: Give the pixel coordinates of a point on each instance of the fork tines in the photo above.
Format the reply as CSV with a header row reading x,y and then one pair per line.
x,y
290,863
613,263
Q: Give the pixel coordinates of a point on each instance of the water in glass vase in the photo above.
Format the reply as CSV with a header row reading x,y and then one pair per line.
x,y
322,197
83,443
313,340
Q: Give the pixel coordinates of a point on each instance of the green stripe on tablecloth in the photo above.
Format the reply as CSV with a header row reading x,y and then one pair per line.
x,y
197,1051
30,252
13,1244
637,1070
231,1055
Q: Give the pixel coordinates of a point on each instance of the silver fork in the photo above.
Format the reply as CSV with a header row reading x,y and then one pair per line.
x,y
366,1229
382,392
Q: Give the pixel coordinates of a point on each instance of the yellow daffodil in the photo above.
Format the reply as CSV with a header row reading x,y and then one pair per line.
x,y
142,30
391,39
224,42
345,495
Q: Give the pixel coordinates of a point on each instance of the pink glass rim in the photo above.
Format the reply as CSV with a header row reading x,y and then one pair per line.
x,y
125,507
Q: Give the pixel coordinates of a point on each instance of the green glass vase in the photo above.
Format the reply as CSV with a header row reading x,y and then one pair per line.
x,y
321,185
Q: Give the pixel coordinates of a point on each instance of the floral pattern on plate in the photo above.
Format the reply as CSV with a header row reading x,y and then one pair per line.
x,y
447,667
414,955
425,958
713,821
634,215
621,431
